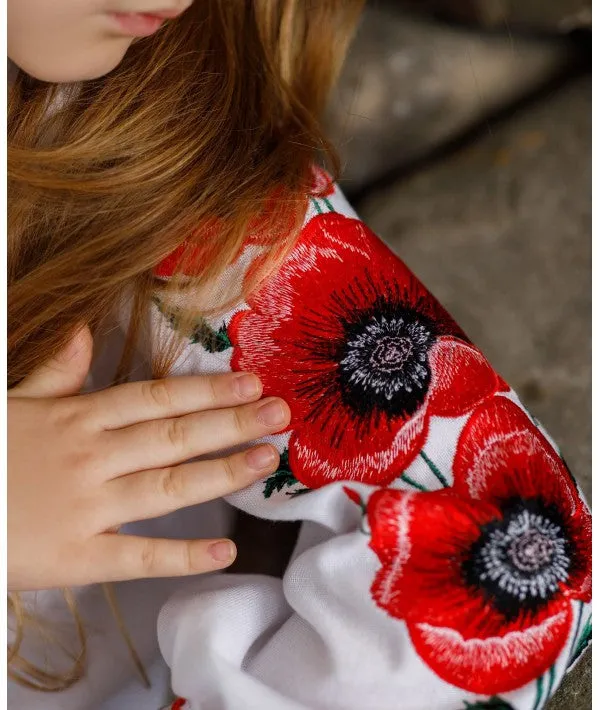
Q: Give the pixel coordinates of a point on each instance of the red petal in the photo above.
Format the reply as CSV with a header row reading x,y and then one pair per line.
x,y
353,495
292,333
334,252
299,307
322,185
497,664
501,454
183,259
191,256
503,386
390,512
580,575
376,456
422,540
461,378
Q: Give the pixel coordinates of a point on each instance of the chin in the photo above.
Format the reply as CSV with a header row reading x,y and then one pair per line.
x,y
73,69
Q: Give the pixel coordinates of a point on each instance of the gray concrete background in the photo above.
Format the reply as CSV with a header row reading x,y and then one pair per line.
x,y
410,85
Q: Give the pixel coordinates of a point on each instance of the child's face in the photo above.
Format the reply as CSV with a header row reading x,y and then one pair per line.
x,y
73,40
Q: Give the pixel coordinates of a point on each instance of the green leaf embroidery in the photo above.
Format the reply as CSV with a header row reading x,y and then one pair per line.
x,y
281,478
213,341
494,703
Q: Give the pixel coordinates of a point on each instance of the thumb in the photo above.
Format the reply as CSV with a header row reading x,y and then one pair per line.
x,y
64,374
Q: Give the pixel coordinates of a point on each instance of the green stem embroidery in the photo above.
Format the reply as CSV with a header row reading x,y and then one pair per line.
x,y
582,642
435,470
494,703
407,479
575,641
329,205
316,204
539,692
299,492
551,679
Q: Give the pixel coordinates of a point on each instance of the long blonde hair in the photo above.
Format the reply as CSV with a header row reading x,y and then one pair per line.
x,y
205,121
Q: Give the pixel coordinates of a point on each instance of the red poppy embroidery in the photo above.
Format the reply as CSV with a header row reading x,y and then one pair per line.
x,y
188,259
322,185
361,352
484,573
190,256
178,704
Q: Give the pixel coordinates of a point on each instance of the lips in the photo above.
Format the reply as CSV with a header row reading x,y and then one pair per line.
x,y
142,24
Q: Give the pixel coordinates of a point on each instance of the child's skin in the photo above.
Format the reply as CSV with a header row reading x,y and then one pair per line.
x,y
80,466
73,40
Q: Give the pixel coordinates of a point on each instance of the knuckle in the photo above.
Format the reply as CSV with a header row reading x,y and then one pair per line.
x,y
66,413
176,434
188,564
149,557
81,448
158,393
82,461
238,421
229,473
170,483
212,391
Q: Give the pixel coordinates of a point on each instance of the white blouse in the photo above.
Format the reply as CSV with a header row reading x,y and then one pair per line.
x,y
444,559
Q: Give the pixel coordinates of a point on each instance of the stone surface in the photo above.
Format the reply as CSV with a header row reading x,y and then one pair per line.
x,y
575,692
409,85
547,15
501,233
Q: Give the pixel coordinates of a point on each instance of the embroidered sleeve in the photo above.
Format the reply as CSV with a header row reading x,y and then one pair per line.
x,y
446,557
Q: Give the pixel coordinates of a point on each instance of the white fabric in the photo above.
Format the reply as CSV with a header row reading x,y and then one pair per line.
x,y
313,640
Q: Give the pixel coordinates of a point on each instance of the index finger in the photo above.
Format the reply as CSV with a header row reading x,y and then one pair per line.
x,y
115,557
136,402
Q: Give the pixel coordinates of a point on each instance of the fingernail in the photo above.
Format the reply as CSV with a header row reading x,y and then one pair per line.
x,y
247,386
260,459
223,551
271,413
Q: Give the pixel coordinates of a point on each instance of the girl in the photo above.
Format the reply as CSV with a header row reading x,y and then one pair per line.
x,y
163,196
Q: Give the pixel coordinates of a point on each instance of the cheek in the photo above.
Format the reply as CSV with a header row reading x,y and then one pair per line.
x,y
56,43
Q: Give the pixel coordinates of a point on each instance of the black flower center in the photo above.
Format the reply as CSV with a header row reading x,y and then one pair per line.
x,y
383,363
520,560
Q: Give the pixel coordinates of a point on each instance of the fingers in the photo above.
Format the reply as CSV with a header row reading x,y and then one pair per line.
x,y
169,441
119,557
62,375
149,494
137,402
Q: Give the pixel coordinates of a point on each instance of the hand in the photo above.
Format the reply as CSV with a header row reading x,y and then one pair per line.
x,y
80,466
